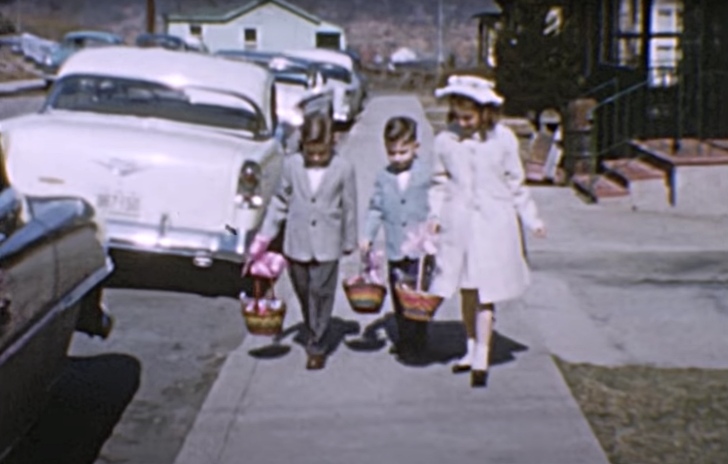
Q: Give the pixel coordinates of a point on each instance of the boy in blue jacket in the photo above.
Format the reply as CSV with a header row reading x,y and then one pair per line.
x,y
399,204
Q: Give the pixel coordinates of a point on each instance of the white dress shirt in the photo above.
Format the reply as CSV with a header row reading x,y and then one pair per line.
x,y
315,175
403,179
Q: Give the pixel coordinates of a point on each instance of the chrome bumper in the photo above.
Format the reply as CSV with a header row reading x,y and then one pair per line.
x,y
201,246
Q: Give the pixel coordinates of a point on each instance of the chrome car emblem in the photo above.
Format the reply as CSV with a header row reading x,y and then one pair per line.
x,y
119,167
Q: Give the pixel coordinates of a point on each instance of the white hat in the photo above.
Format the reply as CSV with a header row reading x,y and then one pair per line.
x,y
473,87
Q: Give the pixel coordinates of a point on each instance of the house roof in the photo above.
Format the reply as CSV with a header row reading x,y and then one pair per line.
x,y
487,8
217,16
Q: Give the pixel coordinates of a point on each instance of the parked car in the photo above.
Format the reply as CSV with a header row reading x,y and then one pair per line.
x,y
260,57
52,266
176,151
73,42
166,41
349,88
302,89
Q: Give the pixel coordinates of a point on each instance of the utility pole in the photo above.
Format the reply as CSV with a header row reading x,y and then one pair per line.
x,y
151,16
18,17
440,58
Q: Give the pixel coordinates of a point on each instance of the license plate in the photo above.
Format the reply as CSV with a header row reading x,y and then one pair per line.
x,y
119,204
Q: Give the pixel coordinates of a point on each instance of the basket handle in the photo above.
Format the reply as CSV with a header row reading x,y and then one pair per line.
x,y
420,272
256,289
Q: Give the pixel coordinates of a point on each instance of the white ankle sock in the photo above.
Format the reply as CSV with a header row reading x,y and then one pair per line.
x,y
468,358
483,331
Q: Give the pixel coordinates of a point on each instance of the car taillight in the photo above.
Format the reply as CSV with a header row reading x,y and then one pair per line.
x,y
248,194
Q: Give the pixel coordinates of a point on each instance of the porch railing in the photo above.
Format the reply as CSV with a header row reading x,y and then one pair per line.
x,y
690,107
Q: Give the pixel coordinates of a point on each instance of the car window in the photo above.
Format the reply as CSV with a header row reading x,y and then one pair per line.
x,y
92,42
105,95
292,79
332,71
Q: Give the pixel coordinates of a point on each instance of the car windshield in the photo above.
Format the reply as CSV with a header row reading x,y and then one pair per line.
x,y
332,71
170,43
291,78
105,95
86,42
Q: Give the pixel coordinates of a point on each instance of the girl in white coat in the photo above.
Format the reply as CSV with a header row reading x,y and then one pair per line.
x,y
476,199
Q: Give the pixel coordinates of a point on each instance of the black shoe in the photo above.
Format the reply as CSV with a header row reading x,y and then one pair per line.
x,y
97,323
316,362
460,368
479,379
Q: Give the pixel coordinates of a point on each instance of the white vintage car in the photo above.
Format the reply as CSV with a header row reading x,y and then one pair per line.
x,y
339,69
176,151
302,90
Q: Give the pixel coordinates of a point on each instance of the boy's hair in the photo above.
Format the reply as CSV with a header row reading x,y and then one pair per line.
x,y
316,129
400,129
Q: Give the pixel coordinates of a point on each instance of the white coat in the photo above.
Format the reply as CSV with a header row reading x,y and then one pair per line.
x,y
476,196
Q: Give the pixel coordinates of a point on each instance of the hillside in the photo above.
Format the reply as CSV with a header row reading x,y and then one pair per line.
x,y
373,26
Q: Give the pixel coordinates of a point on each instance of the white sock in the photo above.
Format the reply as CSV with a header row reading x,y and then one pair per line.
x,y
468,358
483,331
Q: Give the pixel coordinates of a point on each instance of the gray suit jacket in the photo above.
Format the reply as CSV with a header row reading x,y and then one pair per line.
x,y
320,226
398,211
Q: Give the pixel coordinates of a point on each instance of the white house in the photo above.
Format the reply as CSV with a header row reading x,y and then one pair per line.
x,y
269,25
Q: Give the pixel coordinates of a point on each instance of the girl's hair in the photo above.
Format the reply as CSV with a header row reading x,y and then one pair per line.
x,y
400,129
316,129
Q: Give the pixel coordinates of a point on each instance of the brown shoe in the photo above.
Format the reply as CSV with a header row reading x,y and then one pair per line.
x,y
316,362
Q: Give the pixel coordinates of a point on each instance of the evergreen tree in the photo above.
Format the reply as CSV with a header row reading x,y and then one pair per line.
x,y
539,66
6,25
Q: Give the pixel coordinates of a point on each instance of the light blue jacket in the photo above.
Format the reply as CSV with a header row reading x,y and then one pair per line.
x,y
396,210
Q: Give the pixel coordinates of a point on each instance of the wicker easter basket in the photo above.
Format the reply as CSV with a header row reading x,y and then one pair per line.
x,y
365,297
417,304
261,318
365,291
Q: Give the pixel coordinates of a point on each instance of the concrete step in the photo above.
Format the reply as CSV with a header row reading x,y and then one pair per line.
x,y
599,188
632,170
648,185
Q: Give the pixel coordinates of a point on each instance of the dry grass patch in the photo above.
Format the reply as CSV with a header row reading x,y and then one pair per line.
x,y
647,415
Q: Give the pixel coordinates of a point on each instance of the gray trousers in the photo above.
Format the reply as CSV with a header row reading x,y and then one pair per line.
x,y
315,287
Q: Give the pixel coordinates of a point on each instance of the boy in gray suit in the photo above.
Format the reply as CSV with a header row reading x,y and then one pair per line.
x,y
399,203
316,197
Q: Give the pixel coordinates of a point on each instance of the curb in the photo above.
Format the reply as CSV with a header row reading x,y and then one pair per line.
x,y
13,87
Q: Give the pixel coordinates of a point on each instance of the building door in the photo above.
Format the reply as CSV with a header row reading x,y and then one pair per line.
x,y
328,40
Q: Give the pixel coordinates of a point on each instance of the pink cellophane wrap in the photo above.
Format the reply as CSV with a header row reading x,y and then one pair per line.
x,y
258,247
261,305
373,265
268,265
420,241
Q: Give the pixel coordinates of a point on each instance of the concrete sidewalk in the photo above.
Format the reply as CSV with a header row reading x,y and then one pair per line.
x,y
366,407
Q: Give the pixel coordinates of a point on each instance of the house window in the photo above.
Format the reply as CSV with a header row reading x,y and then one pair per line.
x,y
665,43
624,37
196,30
250,38
328,40
628,36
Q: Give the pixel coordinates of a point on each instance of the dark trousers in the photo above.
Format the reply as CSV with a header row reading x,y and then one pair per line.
x,y
315,286
412,334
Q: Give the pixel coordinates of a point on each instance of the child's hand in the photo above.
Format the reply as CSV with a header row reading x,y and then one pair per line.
x,y
540,232
433,226
365,246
